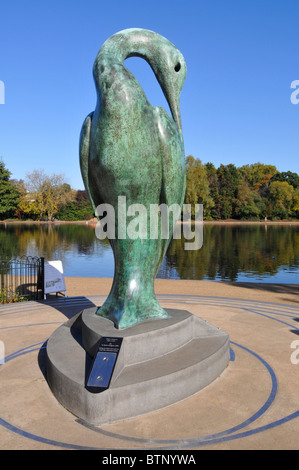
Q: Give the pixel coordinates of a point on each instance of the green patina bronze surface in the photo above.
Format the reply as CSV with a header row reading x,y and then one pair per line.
x,y
130,148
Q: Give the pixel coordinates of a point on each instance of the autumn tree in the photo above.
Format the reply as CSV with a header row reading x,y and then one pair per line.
x,y
212,178
281,196
79,208
44,195
9,194
228,181
249,204
197,186
288,176
257,175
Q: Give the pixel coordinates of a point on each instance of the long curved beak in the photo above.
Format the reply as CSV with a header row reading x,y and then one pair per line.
x,y
174,105
173,99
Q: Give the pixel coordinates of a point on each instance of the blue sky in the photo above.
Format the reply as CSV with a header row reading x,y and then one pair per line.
x,y
241,55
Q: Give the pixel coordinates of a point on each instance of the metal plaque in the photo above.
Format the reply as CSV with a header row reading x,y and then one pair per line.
x,y
103,364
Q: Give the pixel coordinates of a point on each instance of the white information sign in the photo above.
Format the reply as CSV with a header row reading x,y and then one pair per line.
x,y
54,279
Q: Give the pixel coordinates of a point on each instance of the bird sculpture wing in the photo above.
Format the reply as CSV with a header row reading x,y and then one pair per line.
x,y
84,147
173,165
173,159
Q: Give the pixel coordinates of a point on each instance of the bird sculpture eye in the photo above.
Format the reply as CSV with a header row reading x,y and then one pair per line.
x,y
177,67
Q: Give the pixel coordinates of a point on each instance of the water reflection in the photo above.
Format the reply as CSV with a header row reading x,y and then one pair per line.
x,y
267,253
81,253
240,252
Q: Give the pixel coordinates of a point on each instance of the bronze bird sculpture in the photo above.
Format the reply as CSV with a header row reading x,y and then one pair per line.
x,y
130,149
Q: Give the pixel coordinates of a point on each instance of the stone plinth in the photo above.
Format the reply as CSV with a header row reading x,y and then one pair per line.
x,y
159,363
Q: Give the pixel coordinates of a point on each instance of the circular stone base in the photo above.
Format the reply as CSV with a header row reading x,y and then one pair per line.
x,y
159,363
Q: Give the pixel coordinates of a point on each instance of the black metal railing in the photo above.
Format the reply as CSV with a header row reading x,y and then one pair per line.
x,y
21,278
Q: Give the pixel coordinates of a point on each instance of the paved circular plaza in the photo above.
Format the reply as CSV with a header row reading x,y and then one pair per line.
x,y
254,404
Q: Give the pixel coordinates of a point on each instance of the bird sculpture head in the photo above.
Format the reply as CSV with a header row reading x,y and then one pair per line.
x,y
166,61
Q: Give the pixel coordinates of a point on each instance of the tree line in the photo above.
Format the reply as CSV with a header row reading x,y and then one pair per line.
x,y
41,197
250,192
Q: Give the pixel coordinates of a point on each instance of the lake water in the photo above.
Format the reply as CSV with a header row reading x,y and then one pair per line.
x,y
247,253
